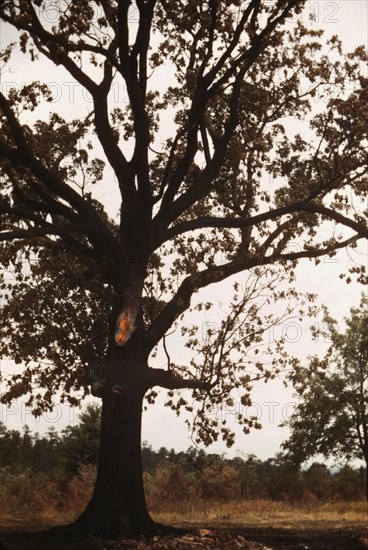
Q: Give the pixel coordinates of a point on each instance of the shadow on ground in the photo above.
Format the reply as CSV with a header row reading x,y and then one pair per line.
x,y
230,538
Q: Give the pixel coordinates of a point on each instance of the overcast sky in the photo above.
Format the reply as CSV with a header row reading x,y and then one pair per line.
x,y
272,403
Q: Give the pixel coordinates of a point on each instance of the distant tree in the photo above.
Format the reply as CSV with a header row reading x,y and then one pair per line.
x,y
149,458
219,480
280,479
209,182
10,441
317,480
349,483
251,484
47,452
80,442
331,417
26,446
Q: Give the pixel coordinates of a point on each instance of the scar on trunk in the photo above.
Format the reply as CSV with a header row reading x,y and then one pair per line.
x,y
125,327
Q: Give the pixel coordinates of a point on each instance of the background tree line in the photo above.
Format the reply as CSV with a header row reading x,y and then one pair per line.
x,y
69,458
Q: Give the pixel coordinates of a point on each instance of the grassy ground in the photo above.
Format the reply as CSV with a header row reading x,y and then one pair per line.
x,y
255,513
253,525
269,513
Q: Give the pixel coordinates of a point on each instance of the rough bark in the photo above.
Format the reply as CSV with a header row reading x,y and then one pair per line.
x,y
118,507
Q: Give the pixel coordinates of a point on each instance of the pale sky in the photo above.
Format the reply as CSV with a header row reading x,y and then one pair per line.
x,y
272,402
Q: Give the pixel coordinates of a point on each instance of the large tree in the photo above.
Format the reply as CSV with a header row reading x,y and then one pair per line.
x,y
232,188
331,417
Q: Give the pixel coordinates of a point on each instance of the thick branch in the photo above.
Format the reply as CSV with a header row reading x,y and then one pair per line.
x,y
135,79
238,223
37,31
142,41
165,379
110,146
254,5
226,222
256,45
47,204
24,156
20,213
312,253
181,301
89,257
191,284
56,50
42,231
170,209
360,227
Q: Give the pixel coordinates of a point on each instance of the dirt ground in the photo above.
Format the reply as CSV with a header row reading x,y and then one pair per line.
x,y
211,538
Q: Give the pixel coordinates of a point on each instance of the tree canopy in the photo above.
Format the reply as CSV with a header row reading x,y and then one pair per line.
x,y
231,80
331,417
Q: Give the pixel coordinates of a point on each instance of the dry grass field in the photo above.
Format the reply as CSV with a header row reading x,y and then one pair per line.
x,y
39,502
268,513
32,504
253,525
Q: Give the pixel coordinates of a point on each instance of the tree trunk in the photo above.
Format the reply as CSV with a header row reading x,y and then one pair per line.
x,y
118,506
